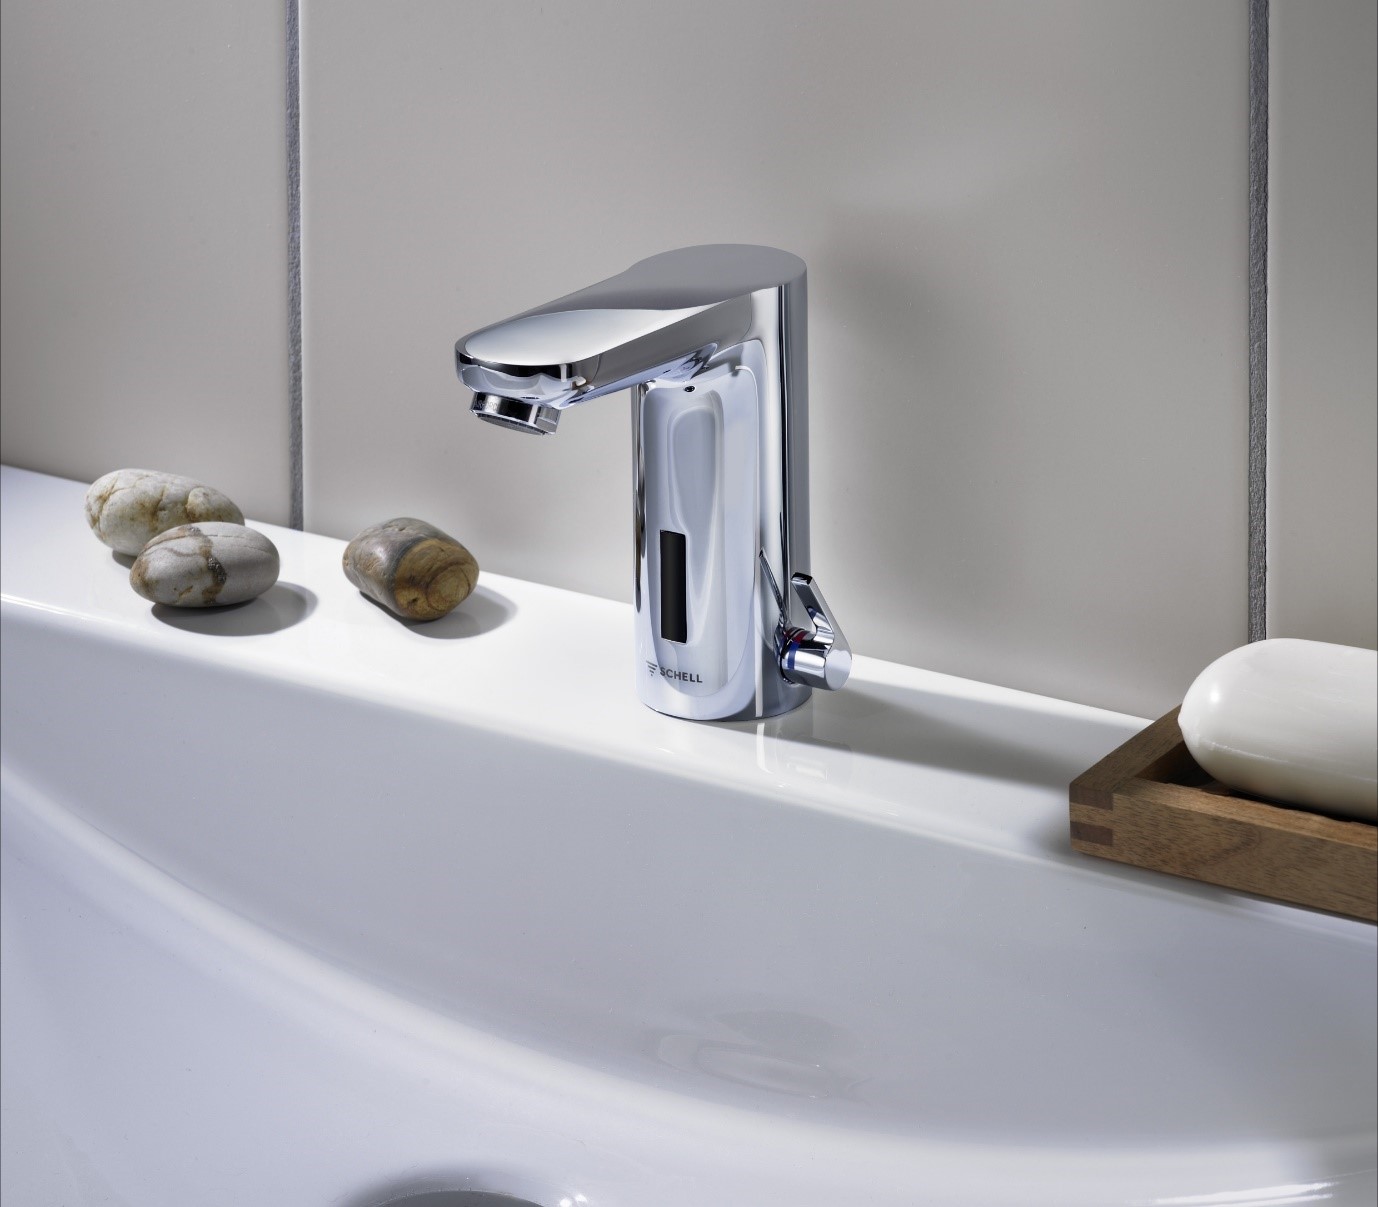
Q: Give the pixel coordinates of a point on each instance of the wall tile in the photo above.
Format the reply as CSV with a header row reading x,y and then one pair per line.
x,y
144,225
1323,322
1026,232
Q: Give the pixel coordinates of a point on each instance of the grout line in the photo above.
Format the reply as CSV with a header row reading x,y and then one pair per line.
x,y
1258,319
294,431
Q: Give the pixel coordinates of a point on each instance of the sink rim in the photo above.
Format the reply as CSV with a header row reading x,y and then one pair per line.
x,y
52,571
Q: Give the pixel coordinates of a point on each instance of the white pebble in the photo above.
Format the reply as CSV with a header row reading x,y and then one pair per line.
x,y
205,565
127,508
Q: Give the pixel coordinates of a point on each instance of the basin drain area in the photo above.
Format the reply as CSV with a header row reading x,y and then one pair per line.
x,y
456,1198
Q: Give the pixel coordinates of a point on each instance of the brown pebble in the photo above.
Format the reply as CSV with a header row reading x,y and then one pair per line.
x,y
411,568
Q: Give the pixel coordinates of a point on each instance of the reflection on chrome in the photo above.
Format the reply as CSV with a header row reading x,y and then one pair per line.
x,y
713,343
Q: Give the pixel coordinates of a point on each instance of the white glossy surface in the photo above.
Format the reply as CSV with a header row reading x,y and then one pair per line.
x,y
471,915
1292,720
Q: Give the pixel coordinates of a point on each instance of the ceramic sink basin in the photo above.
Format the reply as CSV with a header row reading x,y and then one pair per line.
x,y
304,905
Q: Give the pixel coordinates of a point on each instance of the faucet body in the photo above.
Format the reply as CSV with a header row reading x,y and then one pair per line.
x,y
712,341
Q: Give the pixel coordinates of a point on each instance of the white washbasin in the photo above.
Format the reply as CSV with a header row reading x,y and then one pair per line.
x,y
307,906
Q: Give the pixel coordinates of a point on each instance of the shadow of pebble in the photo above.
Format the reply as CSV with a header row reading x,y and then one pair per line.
x,y
123,559
484,611
278,608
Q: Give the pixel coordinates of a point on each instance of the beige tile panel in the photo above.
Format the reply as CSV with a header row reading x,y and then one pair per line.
x,y
1323,322
144,224
1026,232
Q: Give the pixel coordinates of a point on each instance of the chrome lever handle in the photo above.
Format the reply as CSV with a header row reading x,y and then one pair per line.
x,y
821,658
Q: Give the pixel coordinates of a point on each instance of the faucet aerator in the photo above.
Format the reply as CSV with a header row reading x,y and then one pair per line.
x,y
519,416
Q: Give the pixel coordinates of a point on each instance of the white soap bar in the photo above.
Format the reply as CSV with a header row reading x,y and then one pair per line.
x,y
1291,720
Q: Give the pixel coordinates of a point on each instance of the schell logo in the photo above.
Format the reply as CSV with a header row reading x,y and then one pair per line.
x,y
653,669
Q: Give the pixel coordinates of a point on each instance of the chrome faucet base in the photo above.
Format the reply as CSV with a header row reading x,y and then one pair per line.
x,y
713,343
710,514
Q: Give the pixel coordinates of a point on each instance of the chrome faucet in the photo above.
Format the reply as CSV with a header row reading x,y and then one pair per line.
x,y
713,343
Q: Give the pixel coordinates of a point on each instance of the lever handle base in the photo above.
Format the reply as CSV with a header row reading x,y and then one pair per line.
x,y
821,658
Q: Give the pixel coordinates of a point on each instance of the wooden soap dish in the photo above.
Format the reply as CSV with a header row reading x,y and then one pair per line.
x,y
1150,804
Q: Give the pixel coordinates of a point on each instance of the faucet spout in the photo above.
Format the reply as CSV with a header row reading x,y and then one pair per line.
x,y
713,343
662,318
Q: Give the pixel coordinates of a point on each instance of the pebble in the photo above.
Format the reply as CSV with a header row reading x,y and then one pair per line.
x,y
127,508
205,565
411,568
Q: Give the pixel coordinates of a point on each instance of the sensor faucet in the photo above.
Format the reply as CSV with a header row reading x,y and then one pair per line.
x,y
712,341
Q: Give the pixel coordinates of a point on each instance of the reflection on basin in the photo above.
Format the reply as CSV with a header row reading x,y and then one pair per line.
x,y
355,900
